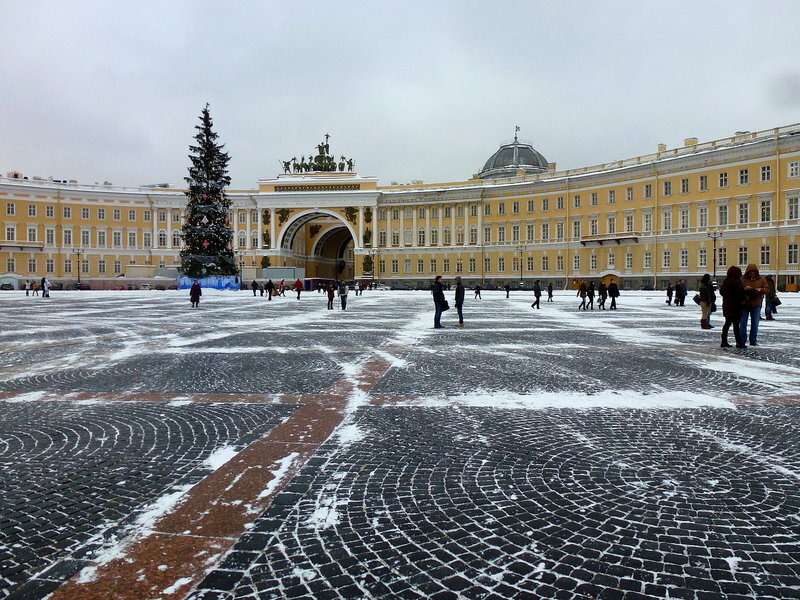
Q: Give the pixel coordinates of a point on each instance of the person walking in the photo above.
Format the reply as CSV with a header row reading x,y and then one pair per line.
x,y
550,291
669,294
282,288
477,292
590,295
35,288
508,289
27,287
733,299
437,289
268,288
613,293
707,299
254,285
46,288
602,294
194,294
331,294
343,291
583,289
298,287
680,292
537,294
755,286
769,299
459,301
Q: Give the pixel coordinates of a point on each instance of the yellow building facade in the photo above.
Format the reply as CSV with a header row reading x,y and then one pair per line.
x,y
644,221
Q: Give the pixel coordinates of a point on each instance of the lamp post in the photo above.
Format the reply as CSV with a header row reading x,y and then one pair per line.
x,y
79,252
520,249
715,235
240,254
373,253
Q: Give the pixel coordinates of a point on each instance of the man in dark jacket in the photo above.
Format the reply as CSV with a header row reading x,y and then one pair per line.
x,y
550,291
438,301
254,285
459,299
508,289
613,293
537,294
268,287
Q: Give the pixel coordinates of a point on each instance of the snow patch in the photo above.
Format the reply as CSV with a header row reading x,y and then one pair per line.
x,y
219,457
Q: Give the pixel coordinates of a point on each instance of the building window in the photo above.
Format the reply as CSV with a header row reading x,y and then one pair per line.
x,y
408,237
612,260
545,204
50,236
744,213
460,211
667,188
68,265
576,229
723,180
50,265
703,187
101,214
765,255
473,265
560,203
515,233
629,260
447,238
31,234
84,213
421,213
176,239
766,173
487,210
515,208
67,212
409,214
117,214
531,206
576,201
530,232
648,190
628,194
31,265
116,239
473,211
147,239
131,215
685,185
101,267
459,266
162,239
487,265
67,235
396,214
576,263
501,234
395,237
407,266
50,211
545,231
446,265
11,209
744,176
434,236
382,237
684,258
420,266
743,255
501,265
85,266
794,168
395,267
545,263
559,263
628,223
421,237
11,265
31,210
529,263
702,216
460,236
146,216
382,264
594,229
647,222
667,259
722,215
766,211
593,262
683,217
117,267
594,199
647,259
101,239
131,239
612,225
433,265
792,206
792,254
612,196
85,241
487,234
702,258
559,231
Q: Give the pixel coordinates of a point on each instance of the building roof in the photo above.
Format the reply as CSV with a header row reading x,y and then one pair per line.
x,y
513,157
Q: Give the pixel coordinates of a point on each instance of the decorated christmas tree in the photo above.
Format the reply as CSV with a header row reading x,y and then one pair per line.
x,y
207,230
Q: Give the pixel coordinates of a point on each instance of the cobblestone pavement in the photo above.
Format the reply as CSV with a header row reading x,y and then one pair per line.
x,y
306,453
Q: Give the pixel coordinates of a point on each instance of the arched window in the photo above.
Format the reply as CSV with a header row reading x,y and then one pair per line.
x,y
395,237
162,238
448,239
242,239
176,238
255,239
460,235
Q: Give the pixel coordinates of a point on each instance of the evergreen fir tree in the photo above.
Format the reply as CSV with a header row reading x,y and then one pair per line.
x,y
207,232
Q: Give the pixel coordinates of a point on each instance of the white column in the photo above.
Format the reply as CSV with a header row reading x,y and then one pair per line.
x,y
360,241
414,238
260,226
272,227
402,227
249,217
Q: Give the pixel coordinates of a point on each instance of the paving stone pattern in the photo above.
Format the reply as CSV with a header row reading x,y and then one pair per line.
x,y
478,503
75,473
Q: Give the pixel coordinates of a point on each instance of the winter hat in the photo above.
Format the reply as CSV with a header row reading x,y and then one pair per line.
x,y
458,277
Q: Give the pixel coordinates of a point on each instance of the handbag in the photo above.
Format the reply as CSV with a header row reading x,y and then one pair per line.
x,y
697,299
445,306
776,301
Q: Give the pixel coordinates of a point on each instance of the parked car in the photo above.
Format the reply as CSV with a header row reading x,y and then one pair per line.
x,y
6,286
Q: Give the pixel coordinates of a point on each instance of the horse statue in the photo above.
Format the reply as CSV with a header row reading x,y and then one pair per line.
x,y
350,164
287,166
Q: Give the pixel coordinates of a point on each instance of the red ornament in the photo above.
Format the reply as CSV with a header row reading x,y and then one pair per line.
x,y
204,196
206,244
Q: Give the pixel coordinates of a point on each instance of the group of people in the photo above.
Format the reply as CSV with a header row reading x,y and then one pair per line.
x,y
32,288
587,292
275,290
679,290
742,297
341,289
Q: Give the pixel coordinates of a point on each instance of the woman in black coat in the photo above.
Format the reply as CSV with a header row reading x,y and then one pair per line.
x,y
194,294
733,298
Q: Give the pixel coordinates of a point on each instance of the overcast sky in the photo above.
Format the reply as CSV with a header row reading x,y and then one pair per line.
x,y
111,90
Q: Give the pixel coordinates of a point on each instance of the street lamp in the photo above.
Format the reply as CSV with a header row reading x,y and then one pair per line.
x,y
373,253
240,254
715,235
520,249
79,252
